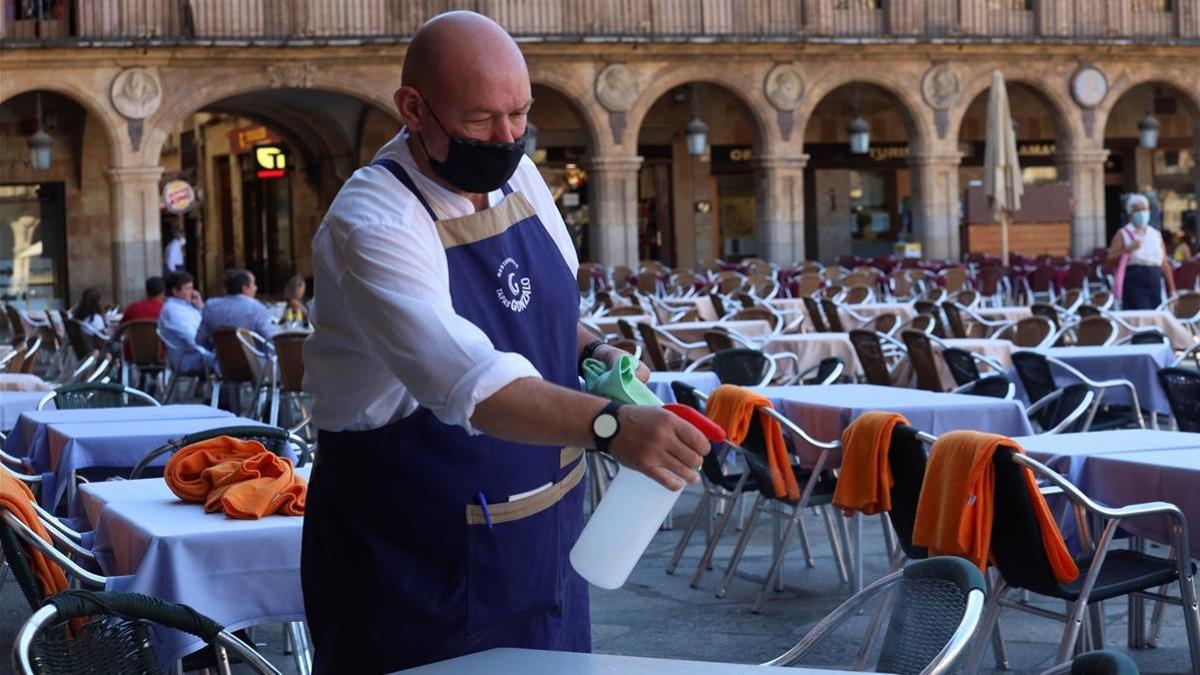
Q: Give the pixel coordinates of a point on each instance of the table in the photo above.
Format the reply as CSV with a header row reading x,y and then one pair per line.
x,y
508,661
703,304
29,437
811,348
23,382
81,445
693,331
1165,322
1006,313
1169,475
1137,363
825,411
996,350
608,324
13,403
238,572
660,383
1069,453
903,311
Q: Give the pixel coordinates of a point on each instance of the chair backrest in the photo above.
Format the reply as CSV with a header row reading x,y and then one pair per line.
x,y
289,348
718,303
920,355
934,295
1035,374
647,282
1028,332
931,309
115,636
626,310
1087,310
967,297
729,282
80,395
1102,299
633,347
1041,279
141,341
16,555
758,314
1186,305
883,323
236,362
870,355
956,279
718,340
743,367
626,329
954,320
832,291
82,342
809,283
1070,298
1148,337
858,294
961,365
814,315
274,439
993,386
1046,311
922,322
1095,331
860,278
989,279
621,276
1070,399
833,318
907,459
829,369
654,349
1182,386
1017,546
16,322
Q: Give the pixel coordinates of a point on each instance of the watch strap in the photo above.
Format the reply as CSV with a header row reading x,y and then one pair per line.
x,y
610,409
588,351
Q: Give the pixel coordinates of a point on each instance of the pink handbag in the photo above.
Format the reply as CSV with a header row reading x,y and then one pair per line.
x,y
1119,276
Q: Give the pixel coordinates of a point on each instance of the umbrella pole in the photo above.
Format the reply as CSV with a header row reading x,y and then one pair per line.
x,y
1004,237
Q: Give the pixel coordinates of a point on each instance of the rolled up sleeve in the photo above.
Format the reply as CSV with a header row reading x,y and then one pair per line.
x,y
396,290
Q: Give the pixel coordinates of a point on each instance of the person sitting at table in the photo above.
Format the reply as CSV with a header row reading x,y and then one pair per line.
x,y
238,309
294,294
89,313
1183,247
149,307
178,323
1148,264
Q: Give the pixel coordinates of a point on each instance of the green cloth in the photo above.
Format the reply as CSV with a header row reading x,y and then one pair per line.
x,y
618,383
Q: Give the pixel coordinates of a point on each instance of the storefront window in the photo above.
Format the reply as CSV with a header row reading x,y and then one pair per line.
x,y
32,244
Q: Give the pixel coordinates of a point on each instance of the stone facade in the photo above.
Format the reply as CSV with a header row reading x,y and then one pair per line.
x,y
931,88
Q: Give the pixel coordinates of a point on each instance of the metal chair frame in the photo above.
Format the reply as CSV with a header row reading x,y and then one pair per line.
x,y
257,347
1085,406
970,386
125,390
1085,509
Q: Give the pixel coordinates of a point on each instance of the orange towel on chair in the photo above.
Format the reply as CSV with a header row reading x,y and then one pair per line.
x,y
865,480
957,505
17,499
733,408
238,477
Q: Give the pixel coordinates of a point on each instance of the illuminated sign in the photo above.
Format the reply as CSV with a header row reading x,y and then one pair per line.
x,y
271,160
243,139
178,196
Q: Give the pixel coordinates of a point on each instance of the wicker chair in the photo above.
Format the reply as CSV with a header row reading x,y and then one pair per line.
x,y
244,357
96,395
868,345
1031,332
289,349
815,317
931,308
858,294
274,439
993,386
144,351
116,635
1095,331
833,317
1182,386
1037,377
1062,411
1186,307
937,608
653,339
920,355
967,298
759,314
808,284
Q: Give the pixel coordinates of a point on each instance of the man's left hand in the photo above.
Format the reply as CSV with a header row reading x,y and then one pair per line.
x,y
610,355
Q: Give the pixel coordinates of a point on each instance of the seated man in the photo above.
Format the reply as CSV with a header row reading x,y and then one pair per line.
x,y
178,322
149,307
238,309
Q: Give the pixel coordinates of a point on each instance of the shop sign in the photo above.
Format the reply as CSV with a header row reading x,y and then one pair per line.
x,y
178,197
271,161
243,139
570,200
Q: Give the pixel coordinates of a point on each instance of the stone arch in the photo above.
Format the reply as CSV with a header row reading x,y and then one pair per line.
x,y
1187,92
96,107
912,109
582,103
744,89
1064,113
197,93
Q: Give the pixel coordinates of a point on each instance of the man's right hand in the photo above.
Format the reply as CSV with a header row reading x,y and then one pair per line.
x,y
660,444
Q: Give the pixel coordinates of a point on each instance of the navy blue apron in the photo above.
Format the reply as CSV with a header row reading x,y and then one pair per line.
x,y
401,565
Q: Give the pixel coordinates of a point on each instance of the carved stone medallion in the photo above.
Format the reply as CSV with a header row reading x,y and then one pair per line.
x,y
784,87
617,87
291,75
136,93
940,87
1089,86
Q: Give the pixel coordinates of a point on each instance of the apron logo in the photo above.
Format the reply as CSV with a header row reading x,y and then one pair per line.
x,y
513,293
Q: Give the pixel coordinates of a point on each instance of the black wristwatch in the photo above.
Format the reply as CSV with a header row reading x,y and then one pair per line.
x,y
588,351
606,426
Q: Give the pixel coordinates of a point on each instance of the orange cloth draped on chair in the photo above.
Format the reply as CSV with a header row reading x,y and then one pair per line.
x,y
733,408
957,505
238,477
18,500
865,480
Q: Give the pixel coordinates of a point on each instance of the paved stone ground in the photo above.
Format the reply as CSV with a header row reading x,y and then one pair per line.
x,y
656,614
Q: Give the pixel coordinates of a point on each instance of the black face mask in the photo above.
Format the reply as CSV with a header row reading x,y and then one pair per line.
x,y
475,166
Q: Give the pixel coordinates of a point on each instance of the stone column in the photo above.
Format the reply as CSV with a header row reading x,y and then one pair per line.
x,y
779,188
613,182
936,204
136,237
1085,171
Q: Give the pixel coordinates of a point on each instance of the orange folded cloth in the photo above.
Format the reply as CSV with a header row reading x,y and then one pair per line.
x,y
733,408
865,480
238,477
17,499
957,505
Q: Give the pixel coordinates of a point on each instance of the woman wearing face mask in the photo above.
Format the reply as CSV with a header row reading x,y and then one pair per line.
x,y
1148,263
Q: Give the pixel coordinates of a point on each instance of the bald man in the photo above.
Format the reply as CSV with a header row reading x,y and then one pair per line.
x,y
444,366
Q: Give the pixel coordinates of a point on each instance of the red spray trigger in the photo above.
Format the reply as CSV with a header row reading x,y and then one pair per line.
x,y
711,430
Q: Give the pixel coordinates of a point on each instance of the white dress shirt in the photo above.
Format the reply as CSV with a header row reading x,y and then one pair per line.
x,y
1151,250
387,339
173,255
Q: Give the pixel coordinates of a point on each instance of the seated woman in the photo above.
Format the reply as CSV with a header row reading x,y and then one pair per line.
x,y
90,313
294,293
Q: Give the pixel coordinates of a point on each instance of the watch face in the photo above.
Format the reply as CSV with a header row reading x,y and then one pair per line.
x,y
605,425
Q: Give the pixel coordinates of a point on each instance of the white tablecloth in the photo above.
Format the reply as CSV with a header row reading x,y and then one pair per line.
x,y
702,303
812,348
238,572
1165,322
510,661
693,331
23,382
1006,313
13,403
903,311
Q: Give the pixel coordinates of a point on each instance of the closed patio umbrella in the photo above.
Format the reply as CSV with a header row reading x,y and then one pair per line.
x,y
1001,168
